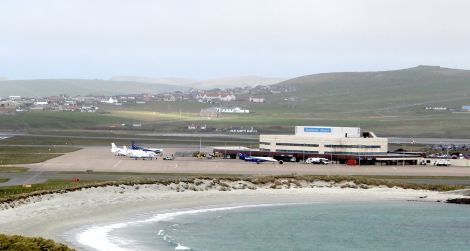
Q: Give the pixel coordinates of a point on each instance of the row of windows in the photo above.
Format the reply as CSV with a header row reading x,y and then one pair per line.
x,y
295,151
296,144
330,146
351,146
352,153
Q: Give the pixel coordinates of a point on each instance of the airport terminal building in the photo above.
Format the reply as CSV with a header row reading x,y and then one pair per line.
x,y
338,144
323,140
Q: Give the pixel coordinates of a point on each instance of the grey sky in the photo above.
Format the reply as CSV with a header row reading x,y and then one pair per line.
x,y
216,38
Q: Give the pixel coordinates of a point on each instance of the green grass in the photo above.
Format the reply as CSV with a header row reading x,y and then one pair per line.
x,y
2,180
267,118
59,120
388,103
21,243
10,155
13,169
153,140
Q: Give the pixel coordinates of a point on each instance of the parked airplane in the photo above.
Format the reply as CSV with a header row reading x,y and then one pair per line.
x,y
258,159
137,154
118,151
146,149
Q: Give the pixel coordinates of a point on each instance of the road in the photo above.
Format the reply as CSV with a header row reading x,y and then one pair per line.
x,y
428,141
247,139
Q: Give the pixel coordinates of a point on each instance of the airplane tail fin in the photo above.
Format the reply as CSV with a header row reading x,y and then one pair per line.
x,y
241,156
133,145
113,147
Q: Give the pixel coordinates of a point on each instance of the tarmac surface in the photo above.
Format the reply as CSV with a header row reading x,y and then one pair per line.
x,y
100,159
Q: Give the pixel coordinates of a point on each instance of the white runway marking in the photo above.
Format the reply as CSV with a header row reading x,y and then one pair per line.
x,y
117,163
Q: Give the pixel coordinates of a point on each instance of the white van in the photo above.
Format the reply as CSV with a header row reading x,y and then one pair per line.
x,y
442,162
322,161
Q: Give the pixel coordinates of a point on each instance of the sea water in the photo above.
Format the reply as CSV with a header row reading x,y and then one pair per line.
x,y
319,226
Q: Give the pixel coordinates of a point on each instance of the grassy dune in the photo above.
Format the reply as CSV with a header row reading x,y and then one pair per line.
x,y
21,243
13,193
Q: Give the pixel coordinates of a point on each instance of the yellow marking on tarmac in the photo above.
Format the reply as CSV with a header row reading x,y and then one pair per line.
x,y
117,163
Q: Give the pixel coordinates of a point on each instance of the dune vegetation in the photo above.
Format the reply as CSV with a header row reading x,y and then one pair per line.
x,y
21,243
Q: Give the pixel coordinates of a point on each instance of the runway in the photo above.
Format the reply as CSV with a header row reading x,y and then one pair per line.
x,y
100,159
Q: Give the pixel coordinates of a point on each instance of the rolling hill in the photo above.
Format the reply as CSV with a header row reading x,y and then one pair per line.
x,y
47,87
389,90
227,82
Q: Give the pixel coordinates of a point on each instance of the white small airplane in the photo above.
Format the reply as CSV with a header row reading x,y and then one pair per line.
x,y
259,160
118,151
137,154
146,149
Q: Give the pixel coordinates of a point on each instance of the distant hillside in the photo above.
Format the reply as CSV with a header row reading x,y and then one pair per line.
x,y
228,82
47,87
382,90
241,81
169,81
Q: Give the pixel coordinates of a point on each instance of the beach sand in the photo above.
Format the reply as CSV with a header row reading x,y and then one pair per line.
x,y
51,216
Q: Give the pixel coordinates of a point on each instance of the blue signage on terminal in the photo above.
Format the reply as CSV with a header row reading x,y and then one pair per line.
x,y
317,129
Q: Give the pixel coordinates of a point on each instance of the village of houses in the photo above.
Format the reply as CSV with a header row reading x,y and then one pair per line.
x,y
220,102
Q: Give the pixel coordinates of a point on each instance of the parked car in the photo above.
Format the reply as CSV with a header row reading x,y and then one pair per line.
x,y
442,162
168,158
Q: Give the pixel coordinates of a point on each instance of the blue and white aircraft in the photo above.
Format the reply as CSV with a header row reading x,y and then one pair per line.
x,y
258,160
146,149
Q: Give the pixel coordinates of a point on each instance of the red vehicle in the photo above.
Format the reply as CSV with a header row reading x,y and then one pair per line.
x,y
351,162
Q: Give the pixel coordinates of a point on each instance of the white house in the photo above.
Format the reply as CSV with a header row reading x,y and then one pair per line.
x,y
232,110
256,100
209,96
40,103
111,100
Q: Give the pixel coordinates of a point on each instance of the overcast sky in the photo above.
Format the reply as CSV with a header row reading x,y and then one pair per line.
x,y
218,38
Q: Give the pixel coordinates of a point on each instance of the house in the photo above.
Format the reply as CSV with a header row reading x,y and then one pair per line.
x,y
232,110
40,103
14,98
211,112
214,96
111,100
169,98
437,108
243,130
256,100
88,109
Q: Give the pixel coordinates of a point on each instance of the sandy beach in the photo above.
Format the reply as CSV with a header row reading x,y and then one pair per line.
x,y
52,216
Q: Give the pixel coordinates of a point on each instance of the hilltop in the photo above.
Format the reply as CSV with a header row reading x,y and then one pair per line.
x,y
227,82
48,87
389,90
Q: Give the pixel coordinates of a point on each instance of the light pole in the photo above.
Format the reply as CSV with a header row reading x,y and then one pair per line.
x,y
403,153
303,152
359,154
331,154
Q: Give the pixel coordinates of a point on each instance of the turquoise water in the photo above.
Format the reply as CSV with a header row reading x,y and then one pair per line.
x,y
328,226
